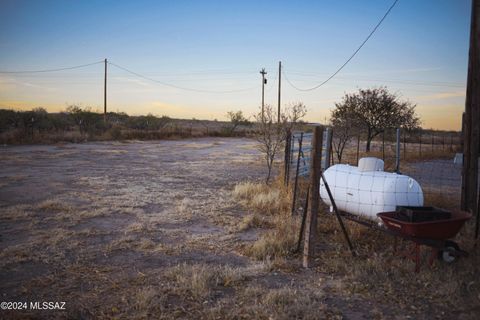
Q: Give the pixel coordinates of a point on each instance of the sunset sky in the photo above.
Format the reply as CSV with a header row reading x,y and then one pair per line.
x,y
420,52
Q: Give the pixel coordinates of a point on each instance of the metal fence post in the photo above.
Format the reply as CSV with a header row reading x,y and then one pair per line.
x,y
295,186
397,154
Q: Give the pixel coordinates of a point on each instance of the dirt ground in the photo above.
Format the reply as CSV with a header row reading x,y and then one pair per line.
x,y
149,230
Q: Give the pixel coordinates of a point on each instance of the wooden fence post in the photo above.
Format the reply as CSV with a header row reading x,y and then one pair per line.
x,y
314,197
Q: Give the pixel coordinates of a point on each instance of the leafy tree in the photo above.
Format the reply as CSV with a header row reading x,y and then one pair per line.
x,y
236,119
8,119
148,122
374,111
86,120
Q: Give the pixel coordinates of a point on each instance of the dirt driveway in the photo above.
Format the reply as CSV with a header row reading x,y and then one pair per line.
x,y
78,220
149,230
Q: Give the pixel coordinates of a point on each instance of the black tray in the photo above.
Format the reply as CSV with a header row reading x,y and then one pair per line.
x,y
421,214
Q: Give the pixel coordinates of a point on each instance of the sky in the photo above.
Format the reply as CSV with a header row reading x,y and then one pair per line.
x,y
420,52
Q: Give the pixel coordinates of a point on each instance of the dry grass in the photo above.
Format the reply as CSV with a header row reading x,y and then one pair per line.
x,y
286,302
279,242
271,207
350,156
199,280
262,198
378,273
254,220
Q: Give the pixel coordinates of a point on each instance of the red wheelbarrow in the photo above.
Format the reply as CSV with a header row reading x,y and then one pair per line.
x,y
428,226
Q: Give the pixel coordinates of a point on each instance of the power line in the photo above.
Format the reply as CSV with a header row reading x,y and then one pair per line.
x,y
175,86
349,59
398,81
360,77
53,70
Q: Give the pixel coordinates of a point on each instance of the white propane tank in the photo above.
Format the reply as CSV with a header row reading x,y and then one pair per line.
x,y
366,193
370,164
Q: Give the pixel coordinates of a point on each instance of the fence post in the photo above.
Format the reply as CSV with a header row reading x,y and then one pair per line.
x,y
404,144
397,154
420,145
295,186
328,143
311,220
358,146
286,172
383,145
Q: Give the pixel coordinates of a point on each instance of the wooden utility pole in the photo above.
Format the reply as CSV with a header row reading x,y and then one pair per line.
x,y
313,197
264,82
105,94
279,87
471,132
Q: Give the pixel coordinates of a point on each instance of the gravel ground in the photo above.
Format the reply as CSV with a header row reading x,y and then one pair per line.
x,y
102,226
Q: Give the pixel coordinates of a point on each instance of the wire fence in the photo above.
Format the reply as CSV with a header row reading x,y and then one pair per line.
x,y
430,158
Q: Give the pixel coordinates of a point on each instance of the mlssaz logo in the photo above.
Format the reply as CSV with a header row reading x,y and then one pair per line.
x,y
37,305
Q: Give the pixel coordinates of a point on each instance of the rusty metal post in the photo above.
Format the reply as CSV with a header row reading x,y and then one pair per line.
x,y
300,142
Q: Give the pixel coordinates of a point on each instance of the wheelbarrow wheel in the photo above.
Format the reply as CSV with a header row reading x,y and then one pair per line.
x,y
447,254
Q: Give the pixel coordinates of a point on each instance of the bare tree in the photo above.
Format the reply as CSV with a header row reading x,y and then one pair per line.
x,y
271,134
344,126
376,110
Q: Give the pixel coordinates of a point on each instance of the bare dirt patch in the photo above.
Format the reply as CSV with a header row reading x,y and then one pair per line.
x,y
158,230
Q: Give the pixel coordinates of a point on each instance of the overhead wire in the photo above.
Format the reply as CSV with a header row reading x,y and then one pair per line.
x,y
349,59
178,87
52,70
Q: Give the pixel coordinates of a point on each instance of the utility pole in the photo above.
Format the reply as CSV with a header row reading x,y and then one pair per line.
x,y
279,87
105,94
264,82
471,123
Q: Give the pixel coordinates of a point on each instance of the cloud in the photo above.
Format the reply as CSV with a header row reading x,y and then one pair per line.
x,y
11,83
441,96
132,80
445,117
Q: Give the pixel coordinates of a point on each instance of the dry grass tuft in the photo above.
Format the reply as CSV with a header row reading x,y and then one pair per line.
x,y
185,208
262,198
254,220
53,206
278,242
286,303
200,280
271,207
